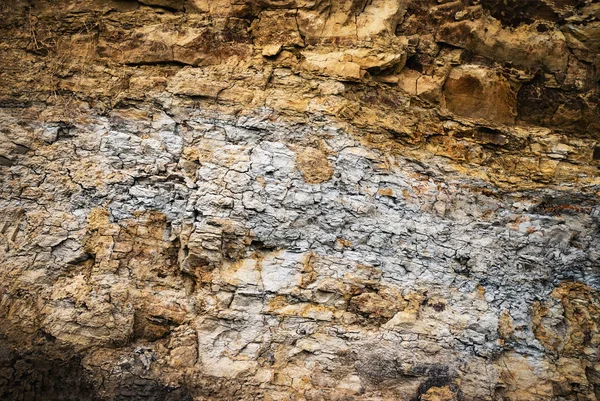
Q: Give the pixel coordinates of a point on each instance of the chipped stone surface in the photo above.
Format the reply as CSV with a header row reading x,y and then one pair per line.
x,y
299,200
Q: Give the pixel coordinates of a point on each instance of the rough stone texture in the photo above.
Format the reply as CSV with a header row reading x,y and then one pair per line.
x,y
299,200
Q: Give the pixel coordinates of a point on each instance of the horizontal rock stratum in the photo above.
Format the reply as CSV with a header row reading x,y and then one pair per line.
x,y
300,200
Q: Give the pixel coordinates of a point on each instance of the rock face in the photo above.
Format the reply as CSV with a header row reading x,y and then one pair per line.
x,y
300,200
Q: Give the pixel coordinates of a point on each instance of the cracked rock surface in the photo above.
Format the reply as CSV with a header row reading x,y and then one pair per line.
x,y
300,200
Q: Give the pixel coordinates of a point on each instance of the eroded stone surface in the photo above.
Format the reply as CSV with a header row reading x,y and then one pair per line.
x,y
299,200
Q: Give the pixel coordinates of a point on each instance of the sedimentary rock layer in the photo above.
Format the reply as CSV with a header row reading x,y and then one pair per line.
x,y
299,200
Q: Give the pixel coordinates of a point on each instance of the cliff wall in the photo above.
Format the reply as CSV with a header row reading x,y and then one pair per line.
x,y
300,200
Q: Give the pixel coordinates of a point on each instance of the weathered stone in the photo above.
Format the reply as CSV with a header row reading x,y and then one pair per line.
x,y
314,165
524,46
299,200
475,92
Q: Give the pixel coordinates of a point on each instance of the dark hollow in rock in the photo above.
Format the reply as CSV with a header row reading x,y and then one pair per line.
x,y
514,12
140,389
35,377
